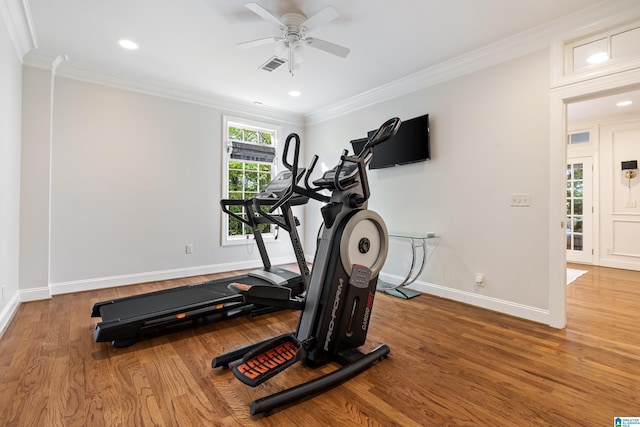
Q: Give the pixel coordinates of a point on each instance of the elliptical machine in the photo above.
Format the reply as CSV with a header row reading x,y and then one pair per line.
x,y
335,315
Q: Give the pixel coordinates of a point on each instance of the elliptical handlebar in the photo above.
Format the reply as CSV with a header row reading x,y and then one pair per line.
x,y
308,186
292,167
296,174
387,130
296,152
384,132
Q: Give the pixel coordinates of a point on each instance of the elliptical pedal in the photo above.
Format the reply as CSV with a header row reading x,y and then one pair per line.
x,y
268,360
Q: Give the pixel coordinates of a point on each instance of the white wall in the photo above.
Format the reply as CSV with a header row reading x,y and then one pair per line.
x,y
489,136
619,202
10,105
134,178
34,184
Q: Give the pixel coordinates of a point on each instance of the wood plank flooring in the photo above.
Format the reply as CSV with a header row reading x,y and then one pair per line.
x,y
450,365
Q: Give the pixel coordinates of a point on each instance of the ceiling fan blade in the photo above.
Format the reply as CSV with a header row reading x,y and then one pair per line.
x,y
332,48
264,13
258,42
325,15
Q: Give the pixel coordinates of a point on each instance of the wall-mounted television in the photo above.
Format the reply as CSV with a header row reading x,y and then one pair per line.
x,y
411,144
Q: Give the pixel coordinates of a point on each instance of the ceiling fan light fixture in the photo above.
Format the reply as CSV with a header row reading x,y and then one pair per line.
x,y
294,28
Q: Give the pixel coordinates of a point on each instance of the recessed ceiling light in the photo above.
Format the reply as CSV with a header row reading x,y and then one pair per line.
x,y
597,58
295,93
624,103
128,44
257,102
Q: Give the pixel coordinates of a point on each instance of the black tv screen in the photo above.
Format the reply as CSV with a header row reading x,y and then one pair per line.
x,y
411,144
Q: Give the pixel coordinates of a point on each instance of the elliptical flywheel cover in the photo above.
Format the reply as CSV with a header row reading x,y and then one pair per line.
x,y
364,225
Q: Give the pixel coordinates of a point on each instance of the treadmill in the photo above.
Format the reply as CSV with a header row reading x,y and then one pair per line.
x,y
125,320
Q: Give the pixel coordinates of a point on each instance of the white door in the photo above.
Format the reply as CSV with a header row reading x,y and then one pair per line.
x,y
580,210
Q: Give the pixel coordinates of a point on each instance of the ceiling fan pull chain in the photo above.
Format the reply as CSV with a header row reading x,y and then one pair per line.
x,y
291,60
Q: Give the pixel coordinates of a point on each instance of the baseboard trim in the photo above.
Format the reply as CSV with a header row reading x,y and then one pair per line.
x,y
34,294
618,264
506,307
152,276
8,312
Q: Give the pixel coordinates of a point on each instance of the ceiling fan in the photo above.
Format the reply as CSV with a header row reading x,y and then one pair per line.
x,y
294,28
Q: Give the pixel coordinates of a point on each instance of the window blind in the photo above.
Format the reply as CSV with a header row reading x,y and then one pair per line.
x,y
252,152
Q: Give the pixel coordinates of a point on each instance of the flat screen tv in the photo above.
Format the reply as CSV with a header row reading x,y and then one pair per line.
x,y
411,144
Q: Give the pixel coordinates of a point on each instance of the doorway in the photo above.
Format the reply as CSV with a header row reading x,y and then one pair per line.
x,y
597,132
561,97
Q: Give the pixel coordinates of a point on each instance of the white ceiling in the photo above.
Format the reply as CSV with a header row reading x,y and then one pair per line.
x,y
192,43
605,106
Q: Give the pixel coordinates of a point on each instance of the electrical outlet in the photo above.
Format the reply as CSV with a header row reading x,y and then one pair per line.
x,y
630,204
479,279
189,248
520,199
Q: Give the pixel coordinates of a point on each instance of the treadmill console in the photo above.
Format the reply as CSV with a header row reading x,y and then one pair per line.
x,y
279,184
277,188
347,173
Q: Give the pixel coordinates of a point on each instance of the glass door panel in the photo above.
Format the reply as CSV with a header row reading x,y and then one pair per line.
x,y
579,210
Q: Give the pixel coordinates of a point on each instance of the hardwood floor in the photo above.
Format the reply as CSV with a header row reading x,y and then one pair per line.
x,y
450,365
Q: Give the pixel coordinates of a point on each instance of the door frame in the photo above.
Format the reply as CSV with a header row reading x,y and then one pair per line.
x,y
560,95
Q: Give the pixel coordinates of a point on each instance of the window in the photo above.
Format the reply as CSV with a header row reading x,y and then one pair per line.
x,y
614,45
575,206
248,166
579,138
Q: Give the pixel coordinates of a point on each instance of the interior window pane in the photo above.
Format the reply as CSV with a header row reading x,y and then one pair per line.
x,y
579,138
577,207
577,171
582,54
251,181
577,224
251,136
626,44
577,242
577,189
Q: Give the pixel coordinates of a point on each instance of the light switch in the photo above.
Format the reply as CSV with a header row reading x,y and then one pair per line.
x,y
521,199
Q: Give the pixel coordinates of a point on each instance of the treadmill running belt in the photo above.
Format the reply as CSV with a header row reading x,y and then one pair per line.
x,y
176,299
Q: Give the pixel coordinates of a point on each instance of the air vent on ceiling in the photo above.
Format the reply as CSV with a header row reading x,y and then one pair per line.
x,y
272,64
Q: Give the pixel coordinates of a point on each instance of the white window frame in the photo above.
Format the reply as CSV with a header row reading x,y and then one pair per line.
x,y
613,64
226,158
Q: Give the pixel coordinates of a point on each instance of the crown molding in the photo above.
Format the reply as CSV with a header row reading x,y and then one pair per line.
x,y
17,17
39,58
594,18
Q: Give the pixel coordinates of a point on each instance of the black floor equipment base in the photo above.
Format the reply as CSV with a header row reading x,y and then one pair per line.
x,y
267,404
124,320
